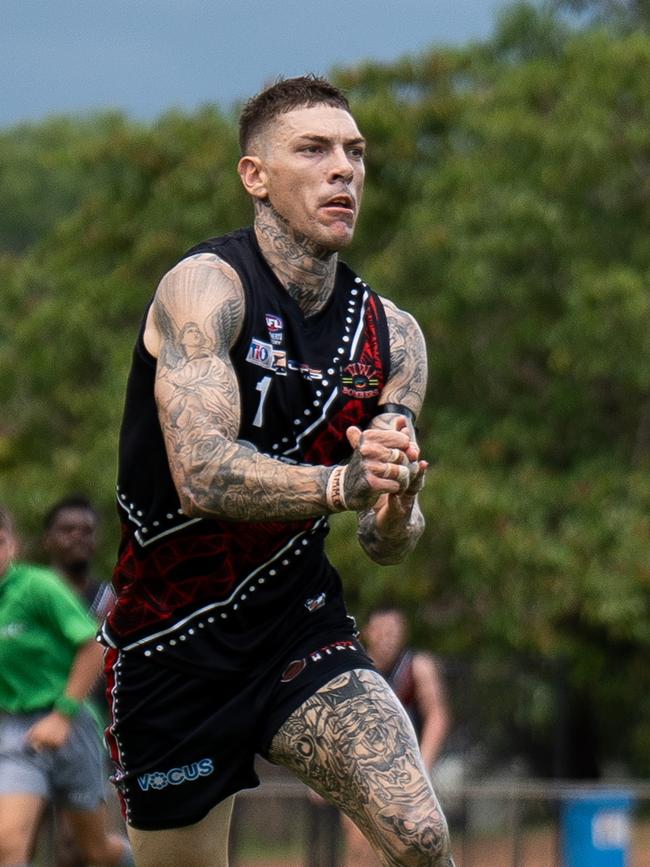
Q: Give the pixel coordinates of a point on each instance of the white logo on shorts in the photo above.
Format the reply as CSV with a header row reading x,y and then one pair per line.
x,y
176,776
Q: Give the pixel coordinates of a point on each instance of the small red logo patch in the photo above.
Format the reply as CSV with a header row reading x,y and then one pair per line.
x,y
293,670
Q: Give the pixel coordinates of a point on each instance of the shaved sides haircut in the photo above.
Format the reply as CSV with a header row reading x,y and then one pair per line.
x,y
285,95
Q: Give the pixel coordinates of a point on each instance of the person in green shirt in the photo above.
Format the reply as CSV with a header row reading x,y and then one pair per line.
x,y
49,750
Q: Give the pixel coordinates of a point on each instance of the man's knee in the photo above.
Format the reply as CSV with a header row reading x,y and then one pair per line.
x,y
422,842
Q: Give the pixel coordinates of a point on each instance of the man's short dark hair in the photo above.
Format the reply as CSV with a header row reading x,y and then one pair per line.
x,y
283,96
387,608
74,501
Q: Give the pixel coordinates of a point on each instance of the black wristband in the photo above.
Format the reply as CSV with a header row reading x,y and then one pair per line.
x,y
398,408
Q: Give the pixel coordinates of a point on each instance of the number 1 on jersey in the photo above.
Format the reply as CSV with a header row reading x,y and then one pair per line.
x,y
263,388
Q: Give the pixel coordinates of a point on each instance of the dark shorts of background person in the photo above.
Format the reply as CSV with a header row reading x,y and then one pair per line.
x,y
184,743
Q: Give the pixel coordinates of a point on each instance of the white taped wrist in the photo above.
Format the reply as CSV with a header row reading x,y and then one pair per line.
x,y
334,496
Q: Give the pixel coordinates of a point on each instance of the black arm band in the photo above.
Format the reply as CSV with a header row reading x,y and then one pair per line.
x,y
398,408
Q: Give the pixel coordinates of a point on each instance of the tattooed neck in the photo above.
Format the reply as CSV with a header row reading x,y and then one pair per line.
x,y
306,270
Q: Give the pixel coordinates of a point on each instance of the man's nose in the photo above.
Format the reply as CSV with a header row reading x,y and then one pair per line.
x,y
341,166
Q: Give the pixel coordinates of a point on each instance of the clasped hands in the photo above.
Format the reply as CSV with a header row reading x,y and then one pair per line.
x,y
386,460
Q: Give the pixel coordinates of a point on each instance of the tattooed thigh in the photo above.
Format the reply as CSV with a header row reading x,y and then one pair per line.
x,y
353,743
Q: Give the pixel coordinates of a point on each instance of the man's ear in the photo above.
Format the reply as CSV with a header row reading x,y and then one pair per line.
x,y
253,176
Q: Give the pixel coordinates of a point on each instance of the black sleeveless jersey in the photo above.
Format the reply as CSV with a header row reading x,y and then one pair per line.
x,y
302,382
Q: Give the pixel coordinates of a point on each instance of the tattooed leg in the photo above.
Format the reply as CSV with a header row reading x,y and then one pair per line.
x,y
353,743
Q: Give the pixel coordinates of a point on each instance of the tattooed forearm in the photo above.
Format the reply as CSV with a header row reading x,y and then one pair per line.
x,y
250,487
394,539
353,743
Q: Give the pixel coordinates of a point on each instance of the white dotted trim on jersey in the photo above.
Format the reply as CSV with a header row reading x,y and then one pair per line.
x,y
171,522
334,370
259,576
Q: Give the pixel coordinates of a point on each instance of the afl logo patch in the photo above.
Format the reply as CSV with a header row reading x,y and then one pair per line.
x,y
292,670
275,327
359,380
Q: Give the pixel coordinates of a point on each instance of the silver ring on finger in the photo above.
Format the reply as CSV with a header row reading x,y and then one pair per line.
x,y
395,456
388,472
414,469
403,476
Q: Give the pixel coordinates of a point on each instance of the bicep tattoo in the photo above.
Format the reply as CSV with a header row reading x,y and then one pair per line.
x,y
408,360
198,310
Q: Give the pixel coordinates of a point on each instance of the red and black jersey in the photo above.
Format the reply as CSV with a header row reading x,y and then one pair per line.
x,y
302,382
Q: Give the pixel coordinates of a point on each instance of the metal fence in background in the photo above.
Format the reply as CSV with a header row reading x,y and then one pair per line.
x,y
509,823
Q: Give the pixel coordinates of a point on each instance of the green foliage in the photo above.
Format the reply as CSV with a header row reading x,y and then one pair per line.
x,y
42,177
507,207
622,15
72,305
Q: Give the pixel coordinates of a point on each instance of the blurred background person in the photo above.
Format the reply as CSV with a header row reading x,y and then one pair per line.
x,y
417,679
49,748
415,676
70,540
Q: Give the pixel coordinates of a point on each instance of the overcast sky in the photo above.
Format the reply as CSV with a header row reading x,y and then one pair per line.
x,y
144,56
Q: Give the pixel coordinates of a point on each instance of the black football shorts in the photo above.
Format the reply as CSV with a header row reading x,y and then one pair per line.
x,y
181,742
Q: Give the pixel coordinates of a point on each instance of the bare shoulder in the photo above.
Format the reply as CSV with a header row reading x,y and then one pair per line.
x,y
428,677
425,664
198,305
396,315
408,359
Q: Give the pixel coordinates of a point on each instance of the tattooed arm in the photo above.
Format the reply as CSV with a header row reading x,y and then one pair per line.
x,y
390,529
196,316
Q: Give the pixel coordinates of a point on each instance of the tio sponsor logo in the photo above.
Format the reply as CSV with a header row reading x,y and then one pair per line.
x,y
176,776
260,353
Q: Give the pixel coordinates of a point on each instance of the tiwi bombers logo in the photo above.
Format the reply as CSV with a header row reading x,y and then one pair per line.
x,y
359,380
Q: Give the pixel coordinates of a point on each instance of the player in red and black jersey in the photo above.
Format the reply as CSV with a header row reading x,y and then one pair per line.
x,y
270,388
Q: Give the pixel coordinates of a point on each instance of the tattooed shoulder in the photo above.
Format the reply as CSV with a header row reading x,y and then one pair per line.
x,y
197,311
408,359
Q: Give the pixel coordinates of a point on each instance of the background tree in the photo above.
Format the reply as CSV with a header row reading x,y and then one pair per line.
x,y
624,14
